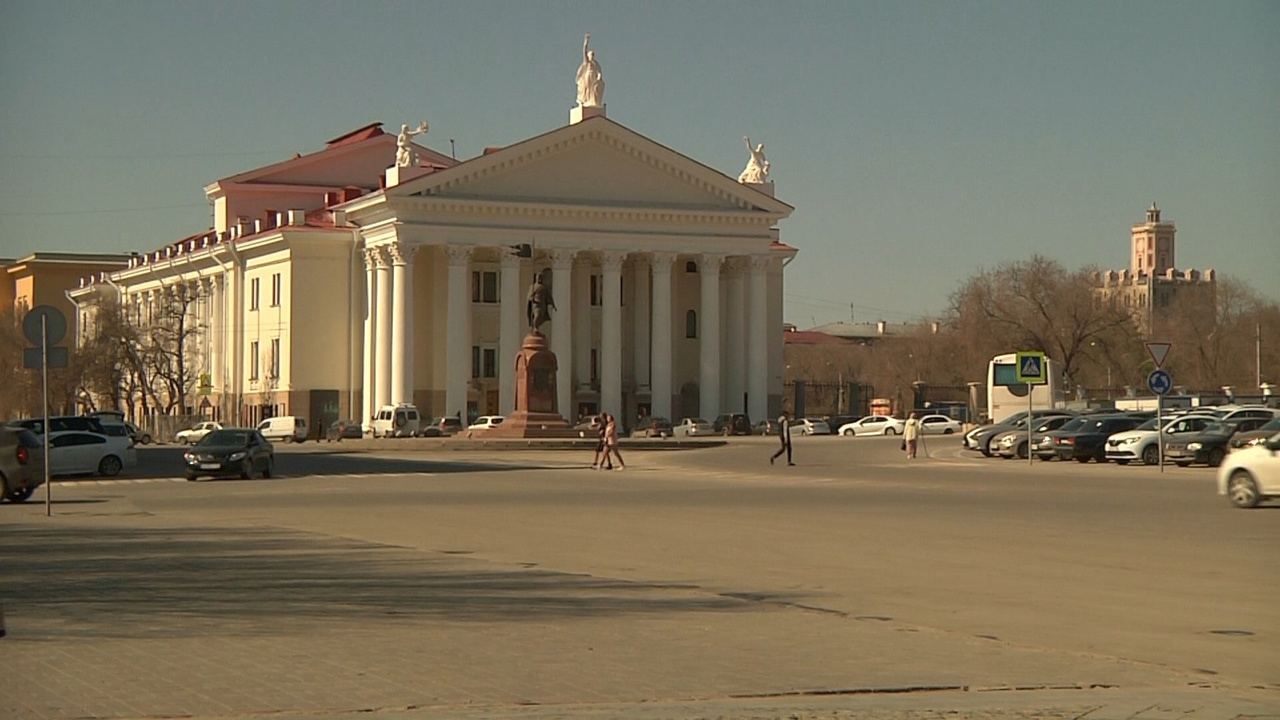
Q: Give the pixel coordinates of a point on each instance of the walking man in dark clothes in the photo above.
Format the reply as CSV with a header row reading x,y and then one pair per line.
x,y
784,434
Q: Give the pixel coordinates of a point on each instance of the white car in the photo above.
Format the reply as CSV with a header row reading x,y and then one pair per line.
x,y
192,435
692,426
812,426
76,452
873,425
939,425
1249,476
1143,442
485,422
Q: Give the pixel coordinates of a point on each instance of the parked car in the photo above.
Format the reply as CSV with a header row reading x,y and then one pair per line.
x,y
21,463
980,438
835,422
194,434
766,427
1208,445
692,426
1088,440
286,428
242,452
588,427
401,420
1249,438
872,425
652,427
340,430
1143,442
485,422
59,423
1260,412
1013,443
1251,475
939,425
76,452
443,426
116,417
732,424
811,426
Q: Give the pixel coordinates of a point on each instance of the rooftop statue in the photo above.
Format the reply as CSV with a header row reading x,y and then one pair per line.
x,y
757,170
590,78
405,156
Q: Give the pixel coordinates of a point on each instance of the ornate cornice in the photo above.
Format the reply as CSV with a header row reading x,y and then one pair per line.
x,y
458,255
710,263
611,261
551,211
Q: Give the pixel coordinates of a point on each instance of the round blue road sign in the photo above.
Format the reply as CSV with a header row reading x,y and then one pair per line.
x,y
1160,382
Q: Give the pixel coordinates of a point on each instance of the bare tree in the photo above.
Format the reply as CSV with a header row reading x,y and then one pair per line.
x,y
166,346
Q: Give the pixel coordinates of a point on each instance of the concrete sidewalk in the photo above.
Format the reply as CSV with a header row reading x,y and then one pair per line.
x,y
115,613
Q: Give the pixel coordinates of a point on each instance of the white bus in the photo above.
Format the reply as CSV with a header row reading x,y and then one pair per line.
x,y
1006,396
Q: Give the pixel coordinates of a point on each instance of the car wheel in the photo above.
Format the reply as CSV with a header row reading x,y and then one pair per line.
x,y
191,477
1082,460
1151,455
246,470
847,433
1122,462
270,469
1182,463
109,466
145,439
1242,490
1022,451
21,494
1215,457
949,431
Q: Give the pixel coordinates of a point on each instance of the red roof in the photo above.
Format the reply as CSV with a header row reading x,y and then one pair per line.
x,y
355,136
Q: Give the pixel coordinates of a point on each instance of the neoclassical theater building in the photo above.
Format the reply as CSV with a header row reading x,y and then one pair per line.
x,y
377,271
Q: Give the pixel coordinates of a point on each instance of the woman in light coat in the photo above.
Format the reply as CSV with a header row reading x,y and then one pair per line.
x,y
910,434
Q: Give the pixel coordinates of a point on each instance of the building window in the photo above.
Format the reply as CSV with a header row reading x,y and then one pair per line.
x,y
691,267
475,361
275,290
691,324
597,290
484,287
595,365
490,362
253,360
253,293
275,358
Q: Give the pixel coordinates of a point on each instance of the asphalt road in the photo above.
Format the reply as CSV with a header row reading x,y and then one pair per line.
x,y
1079,565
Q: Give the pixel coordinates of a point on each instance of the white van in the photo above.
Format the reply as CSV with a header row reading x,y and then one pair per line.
x,y
288,428
397,421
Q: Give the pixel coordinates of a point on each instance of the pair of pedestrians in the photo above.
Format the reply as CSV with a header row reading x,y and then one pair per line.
x,y
607,444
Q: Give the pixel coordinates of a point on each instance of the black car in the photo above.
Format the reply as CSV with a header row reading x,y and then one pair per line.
x,y
652,427
732,424
340,430
60,423
981,438
230,452
1087,439
1208,445
1249,438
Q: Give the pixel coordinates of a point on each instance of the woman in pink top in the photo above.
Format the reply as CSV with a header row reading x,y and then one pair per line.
x,y
611,440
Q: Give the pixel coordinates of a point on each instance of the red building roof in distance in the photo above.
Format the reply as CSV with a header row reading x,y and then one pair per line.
x,y
355,136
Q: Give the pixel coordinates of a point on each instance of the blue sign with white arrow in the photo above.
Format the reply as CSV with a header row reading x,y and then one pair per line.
x,y
1160,382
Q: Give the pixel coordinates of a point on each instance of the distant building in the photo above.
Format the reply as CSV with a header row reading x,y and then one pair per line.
x,y
44,278
1152,280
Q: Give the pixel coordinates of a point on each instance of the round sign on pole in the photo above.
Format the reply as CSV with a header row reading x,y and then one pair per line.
x,y
1160,382
55,325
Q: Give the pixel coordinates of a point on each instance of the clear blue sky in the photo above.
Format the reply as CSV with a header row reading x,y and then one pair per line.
x,y
919,141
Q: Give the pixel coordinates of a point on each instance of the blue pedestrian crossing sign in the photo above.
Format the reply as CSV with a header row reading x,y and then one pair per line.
x,y
1160,382
1031,368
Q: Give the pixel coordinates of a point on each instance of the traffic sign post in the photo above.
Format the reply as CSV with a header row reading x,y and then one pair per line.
x,y
1030,369
1160,383
43,326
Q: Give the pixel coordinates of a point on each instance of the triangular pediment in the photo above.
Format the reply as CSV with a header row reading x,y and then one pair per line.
x,y
595,163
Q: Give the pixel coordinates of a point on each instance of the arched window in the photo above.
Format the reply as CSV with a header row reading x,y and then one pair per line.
x,y
691,266
691,324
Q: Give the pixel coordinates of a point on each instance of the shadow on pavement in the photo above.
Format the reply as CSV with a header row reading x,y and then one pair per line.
x,y
173,582
166,462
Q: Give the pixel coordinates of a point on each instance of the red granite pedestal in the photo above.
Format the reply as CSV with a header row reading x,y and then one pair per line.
x,y
535,414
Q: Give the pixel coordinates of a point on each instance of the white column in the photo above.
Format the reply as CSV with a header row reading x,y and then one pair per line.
x,y
581,331
562,327
660,366
382,376
709,374
640,321
217,326
735,336
401,322
368,393
611,334
458,336
509,332
758,339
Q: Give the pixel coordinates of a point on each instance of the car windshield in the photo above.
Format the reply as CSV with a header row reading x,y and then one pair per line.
x,y
1217,428
225,437
1272,426
1148,425
1074,424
